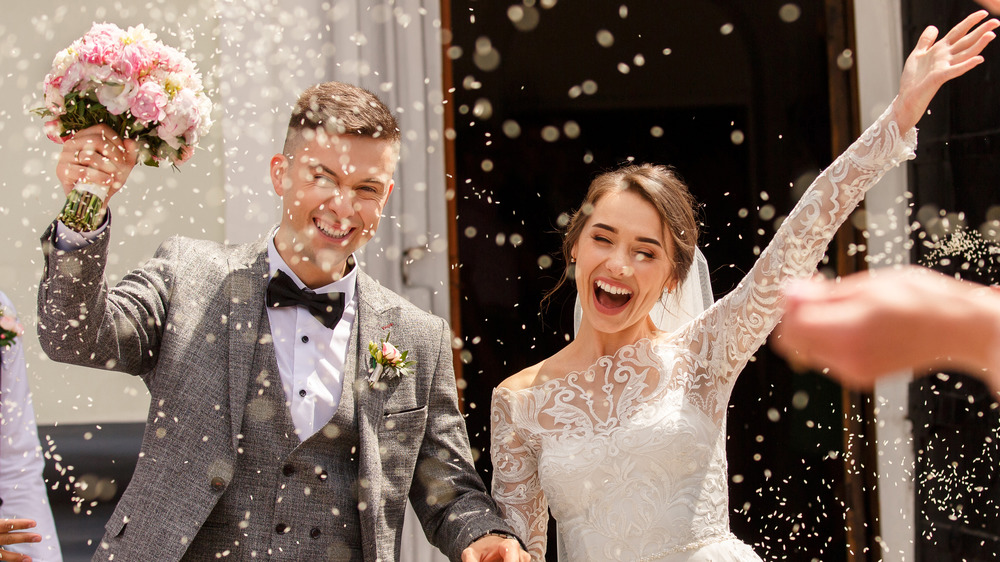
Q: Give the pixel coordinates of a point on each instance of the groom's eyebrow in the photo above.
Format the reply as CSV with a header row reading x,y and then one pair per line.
x,y
614,230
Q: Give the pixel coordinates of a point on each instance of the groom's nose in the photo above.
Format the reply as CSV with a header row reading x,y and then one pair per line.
x,y
341,203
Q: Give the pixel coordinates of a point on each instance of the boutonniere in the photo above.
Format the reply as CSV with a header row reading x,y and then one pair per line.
x,y
10,328
387,361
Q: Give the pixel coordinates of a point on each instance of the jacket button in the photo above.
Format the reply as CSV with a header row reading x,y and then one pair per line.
x,y
315,532
281,528
218,483
288,470
322,476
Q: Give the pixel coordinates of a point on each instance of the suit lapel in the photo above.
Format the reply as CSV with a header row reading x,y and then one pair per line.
x,y
247,283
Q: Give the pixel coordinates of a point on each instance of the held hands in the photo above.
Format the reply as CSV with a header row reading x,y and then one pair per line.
x,y
8,536
494,548
932,63
96,155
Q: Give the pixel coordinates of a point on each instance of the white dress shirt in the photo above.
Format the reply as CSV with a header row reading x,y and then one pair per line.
x,y
311,357
21,462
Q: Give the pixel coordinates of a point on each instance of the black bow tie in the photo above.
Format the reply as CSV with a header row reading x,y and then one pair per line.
x,y
325,307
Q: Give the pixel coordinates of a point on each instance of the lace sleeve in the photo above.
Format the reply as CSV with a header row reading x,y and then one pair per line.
x,y
516,487
739,323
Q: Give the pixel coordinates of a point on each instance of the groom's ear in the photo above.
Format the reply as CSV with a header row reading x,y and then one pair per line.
x,y
279,167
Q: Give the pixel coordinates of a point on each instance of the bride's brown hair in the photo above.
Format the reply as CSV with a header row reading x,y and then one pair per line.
x,y
666,192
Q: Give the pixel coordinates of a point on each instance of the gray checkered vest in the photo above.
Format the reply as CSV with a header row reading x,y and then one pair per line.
x,y
287,500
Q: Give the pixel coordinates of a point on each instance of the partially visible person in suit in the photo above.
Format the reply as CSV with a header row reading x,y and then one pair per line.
x,y
295,402
867,325
24,503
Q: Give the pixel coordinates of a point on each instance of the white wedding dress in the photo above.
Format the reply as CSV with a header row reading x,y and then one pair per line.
x,y
630,455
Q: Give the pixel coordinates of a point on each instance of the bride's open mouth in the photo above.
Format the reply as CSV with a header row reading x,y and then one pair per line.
x,y
610,297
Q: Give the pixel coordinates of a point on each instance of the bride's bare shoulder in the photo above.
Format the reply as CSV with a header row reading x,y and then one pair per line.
x,y
552,368
522,379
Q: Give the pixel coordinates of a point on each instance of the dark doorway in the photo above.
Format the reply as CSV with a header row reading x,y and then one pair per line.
x,y
956,209
735,95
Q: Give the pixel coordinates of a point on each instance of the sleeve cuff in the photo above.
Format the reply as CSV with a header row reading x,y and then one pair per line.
x,y
504,534
66,239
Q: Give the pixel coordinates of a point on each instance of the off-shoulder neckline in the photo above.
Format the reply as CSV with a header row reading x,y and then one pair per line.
x,y
553,382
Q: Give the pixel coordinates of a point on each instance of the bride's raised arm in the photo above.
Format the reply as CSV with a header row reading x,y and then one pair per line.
x,y
741,321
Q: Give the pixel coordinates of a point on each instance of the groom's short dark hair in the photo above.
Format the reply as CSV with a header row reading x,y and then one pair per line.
x,y
340,109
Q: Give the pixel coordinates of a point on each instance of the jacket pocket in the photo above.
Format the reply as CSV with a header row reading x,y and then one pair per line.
x,y
403,426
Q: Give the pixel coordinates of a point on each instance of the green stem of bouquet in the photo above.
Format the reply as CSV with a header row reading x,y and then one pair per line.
x,y
82,112
82,211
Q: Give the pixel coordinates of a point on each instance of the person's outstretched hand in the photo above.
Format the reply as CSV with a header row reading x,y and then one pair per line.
x,y
991,5
865,326
933,62
10,533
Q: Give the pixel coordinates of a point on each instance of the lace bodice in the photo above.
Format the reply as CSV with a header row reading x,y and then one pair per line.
x,y
630,454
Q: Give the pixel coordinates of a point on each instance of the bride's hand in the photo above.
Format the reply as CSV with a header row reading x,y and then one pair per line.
x,y
932,63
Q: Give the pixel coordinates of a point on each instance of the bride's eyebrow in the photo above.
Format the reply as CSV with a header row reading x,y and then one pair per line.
x,y
614,230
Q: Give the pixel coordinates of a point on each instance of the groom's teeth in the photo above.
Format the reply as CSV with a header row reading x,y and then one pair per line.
x,y
330,231
612,290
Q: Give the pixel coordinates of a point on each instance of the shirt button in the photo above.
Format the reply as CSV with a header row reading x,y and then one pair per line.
x,y
315,532
302,393
218,483
305,339
288,470
281,528
322,476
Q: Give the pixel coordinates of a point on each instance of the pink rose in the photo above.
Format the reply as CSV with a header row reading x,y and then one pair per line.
x,y
170,59
102,44
181,117
185,154
74,75
54,100
53,130
148,103
134,60
11,325
100,48
390,353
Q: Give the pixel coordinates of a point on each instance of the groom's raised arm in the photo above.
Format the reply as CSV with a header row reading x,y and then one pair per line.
x,y
80,320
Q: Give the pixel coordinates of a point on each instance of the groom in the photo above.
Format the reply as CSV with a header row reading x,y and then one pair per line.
x,y
268,435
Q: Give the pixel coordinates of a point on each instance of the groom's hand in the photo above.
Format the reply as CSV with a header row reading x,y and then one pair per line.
x,y
494,548
96,155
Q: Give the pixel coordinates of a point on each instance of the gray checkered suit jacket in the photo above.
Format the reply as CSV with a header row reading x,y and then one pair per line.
x,y
187,323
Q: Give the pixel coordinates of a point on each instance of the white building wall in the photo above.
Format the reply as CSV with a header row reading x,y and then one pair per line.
x,y
880,60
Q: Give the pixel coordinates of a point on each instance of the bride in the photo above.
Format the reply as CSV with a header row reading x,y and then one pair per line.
x,y
622,432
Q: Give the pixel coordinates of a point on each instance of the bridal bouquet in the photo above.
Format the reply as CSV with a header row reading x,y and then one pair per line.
x,y
142,89
10,329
